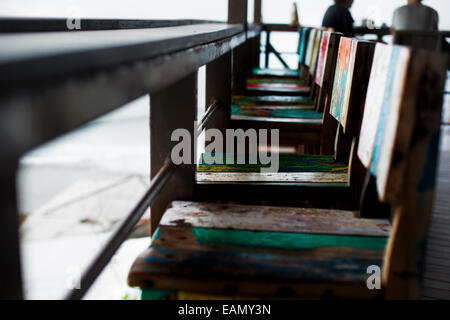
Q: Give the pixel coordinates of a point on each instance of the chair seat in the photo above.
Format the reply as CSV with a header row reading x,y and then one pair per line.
x,y
273,100
293,163
244,112
307,170
267,80
261,251
280,88
267,72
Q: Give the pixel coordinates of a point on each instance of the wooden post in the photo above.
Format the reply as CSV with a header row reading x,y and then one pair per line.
x,y
257,17
218,87
405,254
267,53
237,11
172,108
256,42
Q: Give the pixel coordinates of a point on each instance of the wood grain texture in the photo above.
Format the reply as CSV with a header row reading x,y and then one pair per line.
x,y
275,219
255,272
323,53
268,80
309,178
315,54
310,47
273,100
291,88
343,79
275,112
53,54
303,45
286,163
277,121
406,250
162,106
374,100
395,125
281,73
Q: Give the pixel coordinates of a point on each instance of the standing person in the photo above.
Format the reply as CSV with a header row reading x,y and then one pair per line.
x,y
415,16
339,18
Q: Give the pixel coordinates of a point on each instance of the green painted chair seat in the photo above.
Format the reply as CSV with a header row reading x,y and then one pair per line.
x,y
287,163
272,100
259,251
275,112
276,72
299,82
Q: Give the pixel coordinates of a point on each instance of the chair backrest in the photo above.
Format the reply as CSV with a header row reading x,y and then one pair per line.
x,y
326,65
351,77
399,143
303,45
389,119
310,47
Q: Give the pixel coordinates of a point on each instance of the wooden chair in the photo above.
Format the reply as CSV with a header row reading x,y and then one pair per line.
x,y
226,250
308,177
299,86
300,122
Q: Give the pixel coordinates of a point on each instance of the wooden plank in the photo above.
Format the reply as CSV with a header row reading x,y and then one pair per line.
x,y
163,105
374,100
276,112
303,45
310,47
237,11
406,254
218,89
286,163
279,73
275,219
26,24
254,273
52,54
215,239
323,53
395,126
343,79
271,100
358,91
280,120
287,177
315,53
55,107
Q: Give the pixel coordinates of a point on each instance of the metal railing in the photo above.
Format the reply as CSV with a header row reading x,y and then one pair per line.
x,y
49,90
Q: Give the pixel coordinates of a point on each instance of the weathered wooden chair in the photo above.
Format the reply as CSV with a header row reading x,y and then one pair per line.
x,y
299,86
300,122
306,176
224,250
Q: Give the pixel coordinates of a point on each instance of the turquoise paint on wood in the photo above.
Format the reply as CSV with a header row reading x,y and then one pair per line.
x,y
385,110
287,163
154,294
285,240
276,72
280,112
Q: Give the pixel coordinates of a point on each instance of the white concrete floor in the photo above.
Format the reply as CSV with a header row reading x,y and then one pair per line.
x,y
74,191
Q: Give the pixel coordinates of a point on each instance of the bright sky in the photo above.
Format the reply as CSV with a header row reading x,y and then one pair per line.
x,y
311,11
275,11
